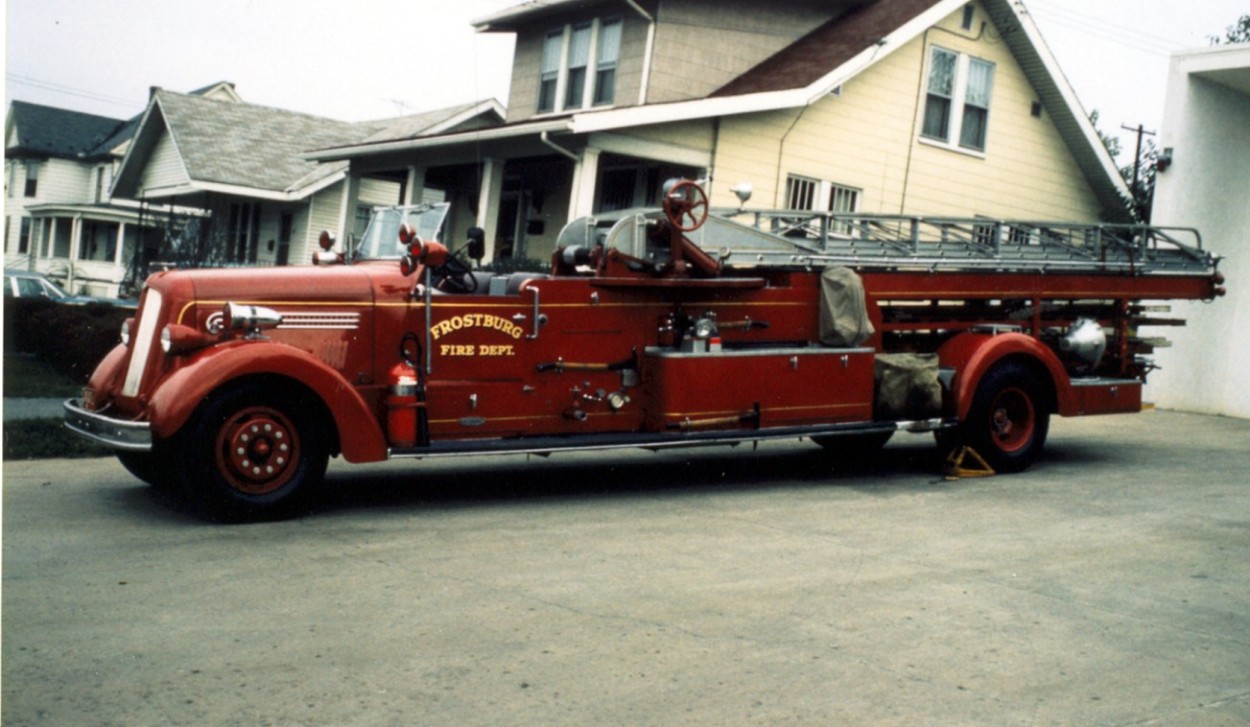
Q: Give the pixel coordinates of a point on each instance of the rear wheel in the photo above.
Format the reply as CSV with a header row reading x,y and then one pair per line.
x,y
253,453
1008,421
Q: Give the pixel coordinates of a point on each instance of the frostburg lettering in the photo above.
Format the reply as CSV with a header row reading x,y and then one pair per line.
x,y
476,320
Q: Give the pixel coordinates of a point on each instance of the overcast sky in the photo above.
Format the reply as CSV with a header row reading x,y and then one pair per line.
x,y
369,59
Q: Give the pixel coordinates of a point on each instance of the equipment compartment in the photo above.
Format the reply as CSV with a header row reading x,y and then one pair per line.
x,y
722,389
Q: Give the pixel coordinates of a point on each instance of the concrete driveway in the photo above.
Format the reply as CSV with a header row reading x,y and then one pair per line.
x,y
1109,585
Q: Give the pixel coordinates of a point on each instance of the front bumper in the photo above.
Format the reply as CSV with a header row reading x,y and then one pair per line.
x,y
123,434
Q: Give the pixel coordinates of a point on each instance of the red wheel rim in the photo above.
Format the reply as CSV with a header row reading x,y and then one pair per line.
x,y
1012,420
257,450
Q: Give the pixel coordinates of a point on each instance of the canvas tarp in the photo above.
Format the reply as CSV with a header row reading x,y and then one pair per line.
x,y
843,309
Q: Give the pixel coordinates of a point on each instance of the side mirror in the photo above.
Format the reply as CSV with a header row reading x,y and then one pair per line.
x,y
477,243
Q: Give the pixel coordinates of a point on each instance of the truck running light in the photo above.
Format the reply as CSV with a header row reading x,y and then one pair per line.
x,y
252,318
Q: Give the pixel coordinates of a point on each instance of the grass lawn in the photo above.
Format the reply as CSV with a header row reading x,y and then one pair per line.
x,y
28,377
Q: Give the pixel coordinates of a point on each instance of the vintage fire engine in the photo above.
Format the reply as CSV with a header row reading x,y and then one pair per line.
x,y
653,329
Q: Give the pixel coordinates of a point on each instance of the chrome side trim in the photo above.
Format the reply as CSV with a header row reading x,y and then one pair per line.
x,y
124,434
321,321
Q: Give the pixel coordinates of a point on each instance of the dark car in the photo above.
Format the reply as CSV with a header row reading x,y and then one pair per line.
x,y
27,284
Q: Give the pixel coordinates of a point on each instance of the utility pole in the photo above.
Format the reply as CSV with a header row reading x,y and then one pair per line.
x,y
1140,131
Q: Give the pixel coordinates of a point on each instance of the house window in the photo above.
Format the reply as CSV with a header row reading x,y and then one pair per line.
x,y
804,193
801,193
578,67
958,82
101,184
976,104
579,57
23,237
32,178
549,77
609,55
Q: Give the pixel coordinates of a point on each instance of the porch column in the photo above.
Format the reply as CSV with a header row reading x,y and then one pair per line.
x,y
347,210
75,244
488,201
121,243
585,175
414,186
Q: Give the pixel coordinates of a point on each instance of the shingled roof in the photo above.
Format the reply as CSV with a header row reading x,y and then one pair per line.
x,y
808,59
50,131
248,145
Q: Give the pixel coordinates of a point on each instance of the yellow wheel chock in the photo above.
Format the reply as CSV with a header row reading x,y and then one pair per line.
x,y
956,470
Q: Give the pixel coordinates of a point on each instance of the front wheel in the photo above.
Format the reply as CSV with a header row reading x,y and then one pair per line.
x,y
1008,421
253,452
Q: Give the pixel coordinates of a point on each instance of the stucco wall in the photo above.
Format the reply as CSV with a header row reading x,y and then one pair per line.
x,y
1207,125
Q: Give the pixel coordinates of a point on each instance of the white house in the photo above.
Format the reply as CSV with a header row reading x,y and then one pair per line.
x,y
1205,139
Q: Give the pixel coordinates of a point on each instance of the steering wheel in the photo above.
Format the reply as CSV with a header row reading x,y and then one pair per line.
x,y
686,206
456,276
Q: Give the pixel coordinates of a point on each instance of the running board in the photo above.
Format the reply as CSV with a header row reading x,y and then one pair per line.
x,y
652,441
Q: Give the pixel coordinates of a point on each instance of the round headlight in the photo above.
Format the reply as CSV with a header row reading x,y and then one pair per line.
x,y
167,340
126,331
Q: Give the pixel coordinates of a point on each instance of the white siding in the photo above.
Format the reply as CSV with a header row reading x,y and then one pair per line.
x,y
164,167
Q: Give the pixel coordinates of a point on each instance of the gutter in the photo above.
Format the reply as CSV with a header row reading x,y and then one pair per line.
x,y
424,142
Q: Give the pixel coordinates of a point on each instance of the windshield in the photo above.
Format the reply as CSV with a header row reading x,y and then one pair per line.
x,y
381,238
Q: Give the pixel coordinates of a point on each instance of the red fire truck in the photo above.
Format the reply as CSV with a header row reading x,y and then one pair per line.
x,y
652,329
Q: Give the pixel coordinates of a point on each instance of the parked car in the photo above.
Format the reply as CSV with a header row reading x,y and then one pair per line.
x,y
27,284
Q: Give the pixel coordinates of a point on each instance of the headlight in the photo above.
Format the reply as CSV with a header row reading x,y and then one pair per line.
x,y
126,325
176,339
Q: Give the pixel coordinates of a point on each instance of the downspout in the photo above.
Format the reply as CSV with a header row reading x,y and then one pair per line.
x,y
646,57
545,137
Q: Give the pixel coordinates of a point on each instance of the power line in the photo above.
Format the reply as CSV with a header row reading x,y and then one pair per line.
x,y
1107,30
70,91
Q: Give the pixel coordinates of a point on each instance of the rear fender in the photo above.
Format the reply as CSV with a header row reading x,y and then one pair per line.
x,y
175,398
971,355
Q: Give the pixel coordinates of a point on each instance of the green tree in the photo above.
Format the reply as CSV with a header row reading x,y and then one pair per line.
x,y
1238,32
1142,169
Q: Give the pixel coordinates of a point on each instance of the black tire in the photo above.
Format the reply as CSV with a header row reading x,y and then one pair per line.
x,y
252,452
1008,421
853,447
152,467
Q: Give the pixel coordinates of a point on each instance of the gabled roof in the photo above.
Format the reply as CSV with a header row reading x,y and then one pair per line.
x,y
50,131
250,149
439,121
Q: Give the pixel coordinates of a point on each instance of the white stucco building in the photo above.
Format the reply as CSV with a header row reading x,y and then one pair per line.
x,y
1206,126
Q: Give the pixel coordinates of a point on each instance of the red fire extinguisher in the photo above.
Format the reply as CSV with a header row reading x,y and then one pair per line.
x,y
401,406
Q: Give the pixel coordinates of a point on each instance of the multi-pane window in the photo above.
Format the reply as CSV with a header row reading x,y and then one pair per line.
x,y
549,74
812,195
32,178
609,55
578,66
801,193
579,57
957,99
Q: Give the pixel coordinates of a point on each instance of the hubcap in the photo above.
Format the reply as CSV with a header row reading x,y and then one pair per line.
x,y
1012,419
257,450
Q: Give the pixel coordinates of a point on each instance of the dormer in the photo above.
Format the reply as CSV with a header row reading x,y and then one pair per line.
x,y
585,55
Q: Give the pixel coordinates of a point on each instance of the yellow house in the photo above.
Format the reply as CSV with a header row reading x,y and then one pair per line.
x,y
918,107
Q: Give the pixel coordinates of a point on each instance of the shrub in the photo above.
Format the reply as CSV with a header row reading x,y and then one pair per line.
x,y
71,338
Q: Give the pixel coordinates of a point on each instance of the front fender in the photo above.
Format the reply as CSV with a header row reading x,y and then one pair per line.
x,y
177,396
971,355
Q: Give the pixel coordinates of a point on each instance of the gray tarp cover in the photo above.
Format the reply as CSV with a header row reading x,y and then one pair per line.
x,y
843,310
908,386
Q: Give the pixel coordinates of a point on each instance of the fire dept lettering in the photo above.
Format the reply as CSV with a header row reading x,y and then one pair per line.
x,y
483,321
476,320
